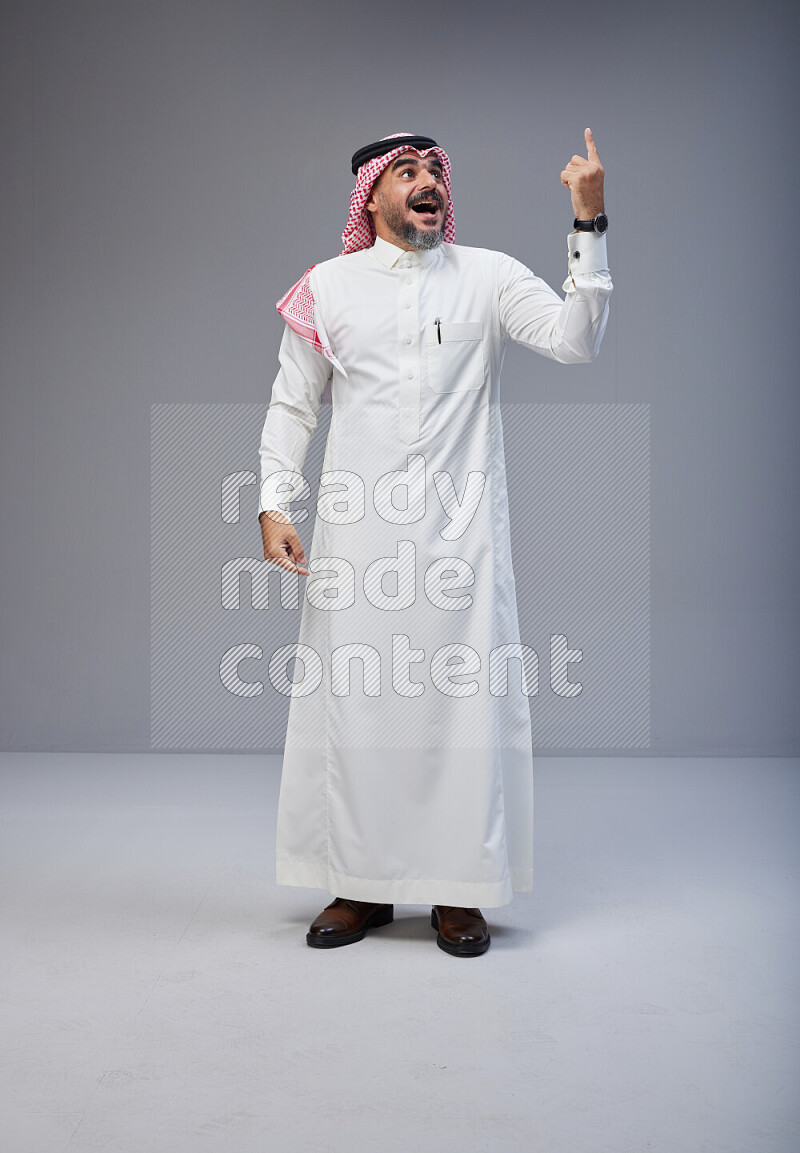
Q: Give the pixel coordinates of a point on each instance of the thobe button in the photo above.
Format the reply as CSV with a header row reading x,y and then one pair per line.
x,y
409,339
407,304
410,375
409,280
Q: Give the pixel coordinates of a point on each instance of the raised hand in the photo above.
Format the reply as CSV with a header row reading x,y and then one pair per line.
x,y
583,176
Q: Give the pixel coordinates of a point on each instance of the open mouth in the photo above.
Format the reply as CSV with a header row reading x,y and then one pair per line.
x,y
426,207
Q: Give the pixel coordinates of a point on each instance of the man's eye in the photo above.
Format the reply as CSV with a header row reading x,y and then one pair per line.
x,y
412,172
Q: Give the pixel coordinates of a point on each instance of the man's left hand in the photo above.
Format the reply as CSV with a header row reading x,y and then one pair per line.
x,y
583,176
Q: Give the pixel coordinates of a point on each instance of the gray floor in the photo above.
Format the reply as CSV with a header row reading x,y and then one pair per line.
x,y
158,993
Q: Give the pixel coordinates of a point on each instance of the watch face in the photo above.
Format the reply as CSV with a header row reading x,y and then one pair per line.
x,y
600,222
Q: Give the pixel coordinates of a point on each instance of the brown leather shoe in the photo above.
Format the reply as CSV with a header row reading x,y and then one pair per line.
x,y
462,932
343,922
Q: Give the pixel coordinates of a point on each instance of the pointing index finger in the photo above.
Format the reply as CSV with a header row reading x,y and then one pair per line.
x,y
591,147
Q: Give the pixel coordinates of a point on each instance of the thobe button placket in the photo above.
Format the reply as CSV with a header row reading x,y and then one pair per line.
x,y
408,350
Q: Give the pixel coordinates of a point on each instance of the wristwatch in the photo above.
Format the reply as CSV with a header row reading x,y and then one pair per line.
x,y
598,224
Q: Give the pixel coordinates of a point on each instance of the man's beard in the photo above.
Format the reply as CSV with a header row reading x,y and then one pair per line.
x,y
406,230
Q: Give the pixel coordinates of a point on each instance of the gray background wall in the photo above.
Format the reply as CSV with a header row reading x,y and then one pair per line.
x,y
171,168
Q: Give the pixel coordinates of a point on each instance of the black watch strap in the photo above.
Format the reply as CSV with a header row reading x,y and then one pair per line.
x,y
598,224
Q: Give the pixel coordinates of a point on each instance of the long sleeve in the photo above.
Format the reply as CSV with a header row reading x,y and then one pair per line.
x,y
291,420
534,315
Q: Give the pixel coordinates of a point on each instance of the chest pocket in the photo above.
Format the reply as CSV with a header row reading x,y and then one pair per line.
x,y
455,364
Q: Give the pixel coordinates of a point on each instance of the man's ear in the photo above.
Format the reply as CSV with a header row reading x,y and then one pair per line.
x,y
372,204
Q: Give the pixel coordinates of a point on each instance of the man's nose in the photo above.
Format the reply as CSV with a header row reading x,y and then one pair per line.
x,y
430,183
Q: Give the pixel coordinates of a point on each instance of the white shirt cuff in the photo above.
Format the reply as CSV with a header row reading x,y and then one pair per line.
x,y
586,252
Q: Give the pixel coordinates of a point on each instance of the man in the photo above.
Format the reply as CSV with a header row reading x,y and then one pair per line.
x,y
412,782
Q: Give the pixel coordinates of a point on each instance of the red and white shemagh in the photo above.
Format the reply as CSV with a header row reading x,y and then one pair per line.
x,y
297,306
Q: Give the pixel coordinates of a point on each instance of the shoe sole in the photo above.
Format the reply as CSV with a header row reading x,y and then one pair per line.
x,y
458,950
333,940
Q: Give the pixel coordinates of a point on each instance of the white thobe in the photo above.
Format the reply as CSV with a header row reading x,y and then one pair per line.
x,y
408,768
